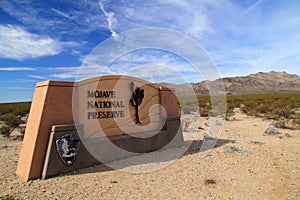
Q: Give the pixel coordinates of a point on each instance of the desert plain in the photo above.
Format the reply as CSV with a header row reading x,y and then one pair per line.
x,y
245,163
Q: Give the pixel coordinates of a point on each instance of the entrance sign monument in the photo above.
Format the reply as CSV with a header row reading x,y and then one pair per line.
x,y
75,125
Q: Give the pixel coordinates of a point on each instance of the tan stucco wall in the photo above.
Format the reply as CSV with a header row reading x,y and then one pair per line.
x,y
52,105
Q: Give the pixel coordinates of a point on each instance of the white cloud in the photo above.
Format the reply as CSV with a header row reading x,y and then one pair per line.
x,y
261,36
111,20
71,72
17,43
79,17
59,69
16,68
199,26
241,37
61,13
161,73
189,17
36,76
277,55
252,7
65,75
67,72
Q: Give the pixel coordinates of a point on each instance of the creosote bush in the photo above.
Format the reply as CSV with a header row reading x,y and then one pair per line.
x,y
11,120
11,114
283,108
10,123
5,130
21,108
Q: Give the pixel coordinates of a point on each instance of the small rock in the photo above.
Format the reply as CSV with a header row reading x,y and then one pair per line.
x,y
113,181
256,142
29,183
272,130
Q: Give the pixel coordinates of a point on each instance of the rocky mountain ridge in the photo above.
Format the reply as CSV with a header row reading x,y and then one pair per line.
x,y
261,82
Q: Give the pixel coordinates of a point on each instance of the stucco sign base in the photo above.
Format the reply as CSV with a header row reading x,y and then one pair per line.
x,y
129,100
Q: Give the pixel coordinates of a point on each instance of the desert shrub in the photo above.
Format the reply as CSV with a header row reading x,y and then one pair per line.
x,y
188,109
234,101
229,110
11,120
5,130
284,112
10,114
230,105
271,106
6,110
21,108
296,121
229,114
205,111
288,123
20,111
263,108
22,130
10,123
282,123
250,108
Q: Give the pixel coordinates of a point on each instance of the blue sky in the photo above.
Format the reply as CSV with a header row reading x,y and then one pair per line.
x,y
49,39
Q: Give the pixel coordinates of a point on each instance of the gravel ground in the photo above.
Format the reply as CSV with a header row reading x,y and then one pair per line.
x,y
245,164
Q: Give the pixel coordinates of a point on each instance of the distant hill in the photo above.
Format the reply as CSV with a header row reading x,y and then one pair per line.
x,y
269,82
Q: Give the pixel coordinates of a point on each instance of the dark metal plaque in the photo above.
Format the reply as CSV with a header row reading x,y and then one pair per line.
x,y
67,148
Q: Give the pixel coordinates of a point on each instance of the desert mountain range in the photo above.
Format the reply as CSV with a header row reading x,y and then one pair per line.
x,y
261,82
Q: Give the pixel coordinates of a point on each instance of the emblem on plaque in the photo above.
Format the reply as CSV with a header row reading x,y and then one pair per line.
x,y
136,100
67,147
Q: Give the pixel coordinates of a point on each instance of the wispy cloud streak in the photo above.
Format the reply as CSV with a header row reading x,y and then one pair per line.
x,y
61,13
111,21
37,77
16,69
252,7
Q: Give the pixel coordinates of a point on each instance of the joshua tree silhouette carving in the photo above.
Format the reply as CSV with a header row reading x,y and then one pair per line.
x,y
136,100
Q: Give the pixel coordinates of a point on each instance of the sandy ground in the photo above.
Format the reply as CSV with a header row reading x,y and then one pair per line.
x,y
245,164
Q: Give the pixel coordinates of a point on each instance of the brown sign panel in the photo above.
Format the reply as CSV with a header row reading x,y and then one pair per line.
x,y
116,105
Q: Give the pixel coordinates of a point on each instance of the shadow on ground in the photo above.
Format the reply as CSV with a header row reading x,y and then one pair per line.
x,y
152,158
195,146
